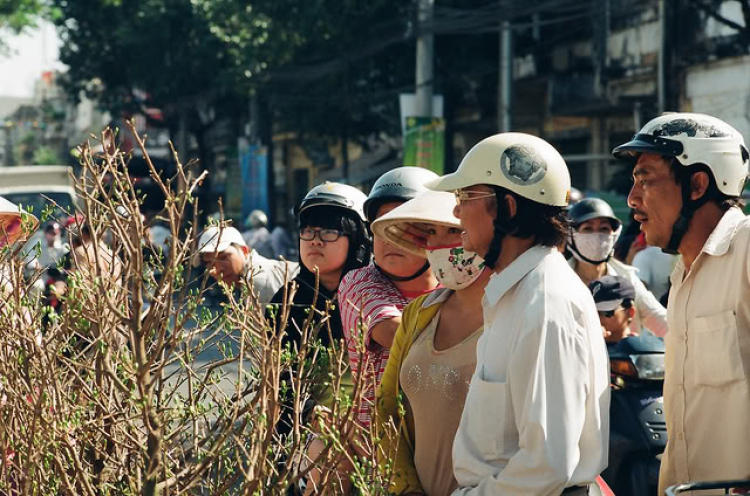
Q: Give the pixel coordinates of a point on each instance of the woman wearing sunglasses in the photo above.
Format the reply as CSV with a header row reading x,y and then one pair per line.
x,y
433,356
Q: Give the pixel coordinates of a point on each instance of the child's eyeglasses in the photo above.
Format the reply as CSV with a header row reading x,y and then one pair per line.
x,y
608,313
464,196
327,235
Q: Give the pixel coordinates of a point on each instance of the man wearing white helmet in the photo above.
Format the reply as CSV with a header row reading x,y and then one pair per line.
x,y
536,418
257,236
228,258
690,170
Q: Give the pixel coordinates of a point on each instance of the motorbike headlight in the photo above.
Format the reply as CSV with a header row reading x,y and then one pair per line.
x,y
650,367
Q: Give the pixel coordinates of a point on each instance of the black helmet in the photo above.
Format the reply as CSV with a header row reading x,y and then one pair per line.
x,y
592,208
400,184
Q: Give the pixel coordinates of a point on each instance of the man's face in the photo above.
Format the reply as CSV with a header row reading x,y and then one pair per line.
x,y
655,197
51,237
477,216
391,258
227,265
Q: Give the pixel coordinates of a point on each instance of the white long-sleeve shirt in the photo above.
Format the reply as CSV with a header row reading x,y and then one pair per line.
x,y
536,418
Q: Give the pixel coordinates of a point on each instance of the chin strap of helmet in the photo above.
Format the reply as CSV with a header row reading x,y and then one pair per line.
x,y
502,226
392,277
689,207
577,254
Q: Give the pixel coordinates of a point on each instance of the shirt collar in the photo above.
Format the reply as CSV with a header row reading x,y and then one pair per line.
x,y
501,282
718,242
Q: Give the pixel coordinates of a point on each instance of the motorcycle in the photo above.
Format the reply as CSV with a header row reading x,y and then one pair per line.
x,y
638,429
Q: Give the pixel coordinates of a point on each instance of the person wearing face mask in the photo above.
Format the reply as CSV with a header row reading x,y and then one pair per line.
x,y
433,355
594,232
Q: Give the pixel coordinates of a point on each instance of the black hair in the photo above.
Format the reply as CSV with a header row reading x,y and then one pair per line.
x,y
329,217
627,303
682,177
547,224
350,225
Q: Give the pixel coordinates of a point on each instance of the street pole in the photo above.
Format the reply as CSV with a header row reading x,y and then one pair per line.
x,y
505,81
425,42
660,82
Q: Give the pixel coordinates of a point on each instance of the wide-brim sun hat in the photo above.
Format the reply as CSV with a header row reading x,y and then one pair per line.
x,y
11,223
398,226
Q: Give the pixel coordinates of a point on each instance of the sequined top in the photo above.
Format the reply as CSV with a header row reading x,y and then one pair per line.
x,y
436,383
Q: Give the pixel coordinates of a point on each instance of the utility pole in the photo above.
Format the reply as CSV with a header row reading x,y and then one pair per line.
x,y
425,42
661,63
505,81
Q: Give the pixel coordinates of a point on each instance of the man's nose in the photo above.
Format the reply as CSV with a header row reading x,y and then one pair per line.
x,y
633,197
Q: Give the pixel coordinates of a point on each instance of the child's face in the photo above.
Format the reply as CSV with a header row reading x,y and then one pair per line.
x,y
328,256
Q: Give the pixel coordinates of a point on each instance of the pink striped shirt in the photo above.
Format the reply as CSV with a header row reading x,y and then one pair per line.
x,y
366,298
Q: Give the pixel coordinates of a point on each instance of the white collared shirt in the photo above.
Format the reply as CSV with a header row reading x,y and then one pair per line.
x,y
707,387
536,418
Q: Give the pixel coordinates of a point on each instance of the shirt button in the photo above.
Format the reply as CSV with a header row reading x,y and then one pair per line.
x,y
679,387
680,436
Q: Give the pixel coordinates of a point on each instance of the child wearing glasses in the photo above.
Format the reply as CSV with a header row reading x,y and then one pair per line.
x,y
333,239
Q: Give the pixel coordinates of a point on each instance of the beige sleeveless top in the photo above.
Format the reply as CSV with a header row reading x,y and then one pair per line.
x,y
436,384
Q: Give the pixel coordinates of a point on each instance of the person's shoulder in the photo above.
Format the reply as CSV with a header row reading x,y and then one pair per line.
x,y
369,275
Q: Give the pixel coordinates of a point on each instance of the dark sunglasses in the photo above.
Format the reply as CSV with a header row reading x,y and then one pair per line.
x,y
608,313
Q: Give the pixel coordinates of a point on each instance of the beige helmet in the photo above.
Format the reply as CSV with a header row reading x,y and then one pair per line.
x,y
524,164
431,207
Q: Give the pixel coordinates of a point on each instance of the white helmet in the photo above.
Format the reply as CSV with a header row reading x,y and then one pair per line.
x,y
257,218
694,139
397,185
521,163
335,195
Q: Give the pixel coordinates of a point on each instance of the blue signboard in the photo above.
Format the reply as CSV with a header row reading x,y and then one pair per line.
x,y
254,167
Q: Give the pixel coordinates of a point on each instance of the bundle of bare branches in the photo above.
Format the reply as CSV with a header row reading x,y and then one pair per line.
x,y
134,385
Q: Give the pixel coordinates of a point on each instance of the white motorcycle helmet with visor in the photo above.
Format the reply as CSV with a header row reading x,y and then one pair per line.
x,y
693,140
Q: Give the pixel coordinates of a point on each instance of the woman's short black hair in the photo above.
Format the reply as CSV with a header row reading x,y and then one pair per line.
x,y
547,224
328,217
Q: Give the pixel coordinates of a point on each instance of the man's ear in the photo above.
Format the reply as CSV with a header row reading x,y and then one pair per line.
x,y
631,313
511,206
244,249
699,183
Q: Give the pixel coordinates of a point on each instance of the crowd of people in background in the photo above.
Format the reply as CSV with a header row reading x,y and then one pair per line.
x,y
478,307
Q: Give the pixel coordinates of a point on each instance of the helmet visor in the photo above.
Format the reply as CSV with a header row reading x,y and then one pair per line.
x,y
650,144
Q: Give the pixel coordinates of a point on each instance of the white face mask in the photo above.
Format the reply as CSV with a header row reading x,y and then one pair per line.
x,y
593,248
454,267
